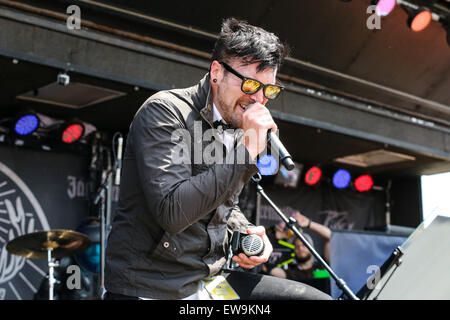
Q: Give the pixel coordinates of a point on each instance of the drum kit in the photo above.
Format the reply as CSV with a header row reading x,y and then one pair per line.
x,y
50,244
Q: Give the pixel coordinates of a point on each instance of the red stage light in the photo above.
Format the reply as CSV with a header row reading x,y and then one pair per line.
x,y
72,133
419,21
364,183
313,175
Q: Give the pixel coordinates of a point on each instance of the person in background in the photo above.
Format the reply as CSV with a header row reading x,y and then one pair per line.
x,y
282,249
304,264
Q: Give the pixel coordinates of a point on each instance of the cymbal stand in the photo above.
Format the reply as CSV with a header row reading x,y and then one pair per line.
x,y
51,278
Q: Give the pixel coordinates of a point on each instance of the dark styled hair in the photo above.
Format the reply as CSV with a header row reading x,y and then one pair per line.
x,y
238,39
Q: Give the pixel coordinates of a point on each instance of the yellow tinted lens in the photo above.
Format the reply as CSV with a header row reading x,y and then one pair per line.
x,y
272,92
250,86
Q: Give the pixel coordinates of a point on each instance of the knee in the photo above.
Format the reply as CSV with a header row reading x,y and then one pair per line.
x,y
278,272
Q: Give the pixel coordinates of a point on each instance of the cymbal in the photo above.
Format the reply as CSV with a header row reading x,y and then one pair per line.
x,y
62,242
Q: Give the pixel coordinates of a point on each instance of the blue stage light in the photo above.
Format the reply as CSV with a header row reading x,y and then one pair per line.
x,y
267,165
26,124
341,179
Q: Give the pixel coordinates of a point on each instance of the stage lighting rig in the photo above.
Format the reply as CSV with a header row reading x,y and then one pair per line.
x,y
342,179
419,20
267,165
363,183
29,122
420,13
72,132
26,124
75,130
313,176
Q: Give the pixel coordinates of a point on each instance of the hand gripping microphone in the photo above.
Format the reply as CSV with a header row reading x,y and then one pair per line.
x,y
249,244
275,144
119,160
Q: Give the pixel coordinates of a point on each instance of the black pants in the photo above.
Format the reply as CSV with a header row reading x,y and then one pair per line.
x,y
117,296
252,286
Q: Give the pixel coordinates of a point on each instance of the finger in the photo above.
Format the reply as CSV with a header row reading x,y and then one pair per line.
x,y
259,230
255,107
268,249
267,117
267,123
244,262
257,260
274,127
254,261
249,106
246,266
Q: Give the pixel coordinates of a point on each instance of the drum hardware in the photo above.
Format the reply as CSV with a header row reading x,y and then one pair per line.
x,y
50,244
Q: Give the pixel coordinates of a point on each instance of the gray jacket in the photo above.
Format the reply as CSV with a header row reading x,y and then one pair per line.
x,y
173,219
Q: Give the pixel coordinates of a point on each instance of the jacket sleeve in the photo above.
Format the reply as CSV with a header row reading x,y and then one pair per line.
x,y
237,221
174,196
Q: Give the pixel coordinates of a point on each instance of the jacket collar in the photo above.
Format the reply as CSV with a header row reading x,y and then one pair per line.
x,y
205,100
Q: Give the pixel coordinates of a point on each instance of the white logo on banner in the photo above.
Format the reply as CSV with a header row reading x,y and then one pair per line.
x,y
77,188
20,213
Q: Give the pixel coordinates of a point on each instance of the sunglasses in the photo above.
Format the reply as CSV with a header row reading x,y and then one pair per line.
x,y
251,86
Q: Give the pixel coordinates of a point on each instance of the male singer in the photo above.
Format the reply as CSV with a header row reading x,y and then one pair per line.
x,y
175,216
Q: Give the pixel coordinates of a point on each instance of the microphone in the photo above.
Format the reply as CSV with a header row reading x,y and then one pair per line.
x,y
285,158
250,244
119,161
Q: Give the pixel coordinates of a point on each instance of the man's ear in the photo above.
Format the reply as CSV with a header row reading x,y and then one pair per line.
x,y
215,70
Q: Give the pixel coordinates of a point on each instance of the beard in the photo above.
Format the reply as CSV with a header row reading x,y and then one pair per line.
x,y
230,112
303,259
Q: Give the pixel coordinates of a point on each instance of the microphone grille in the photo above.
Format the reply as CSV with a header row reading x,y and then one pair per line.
x,y
252,245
